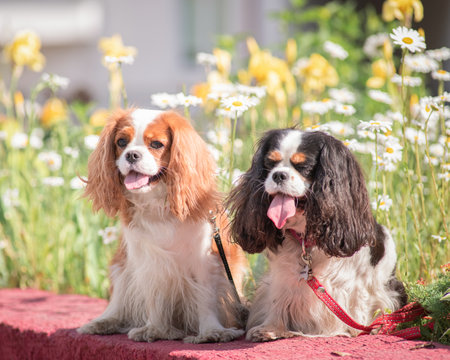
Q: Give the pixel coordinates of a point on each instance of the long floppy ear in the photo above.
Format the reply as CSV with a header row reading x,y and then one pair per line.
x,y
191,179
104,183
339,217
248,203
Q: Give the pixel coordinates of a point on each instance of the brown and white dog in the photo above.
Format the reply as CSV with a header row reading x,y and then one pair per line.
x,y
155,171
308,185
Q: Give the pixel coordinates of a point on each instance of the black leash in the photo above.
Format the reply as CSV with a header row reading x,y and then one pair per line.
x,y
219,245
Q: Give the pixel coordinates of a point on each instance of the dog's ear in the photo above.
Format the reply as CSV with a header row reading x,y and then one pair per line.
x,y
339,217
248,203
191,179
104,184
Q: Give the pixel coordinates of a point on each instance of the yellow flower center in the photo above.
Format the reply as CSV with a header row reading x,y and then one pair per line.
x,y
407,40
375,123
51,162
427,108
237,103
345,107
326,100
389,150
346,143
315,126
388,133
382,203
442,72
341,131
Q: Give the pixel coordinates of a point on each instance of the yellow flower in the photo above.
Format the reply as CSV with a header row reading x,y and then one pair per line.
x,y
316,73
24,50
99,117
269,70
113,47
291,51
402,10
223,61
54,111
381,70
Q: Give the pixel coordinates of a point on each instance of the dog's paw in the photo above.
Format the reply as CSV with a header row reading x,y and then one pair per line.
x,y
215,335
145,333
266,333
102,327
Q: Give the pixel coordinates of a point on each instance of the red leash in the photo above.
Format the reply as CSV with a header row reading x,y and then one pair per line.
x,y
387,323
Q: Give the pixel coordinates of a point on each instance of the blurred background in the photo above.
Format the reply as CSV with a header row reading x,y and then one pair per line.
x,y
168,34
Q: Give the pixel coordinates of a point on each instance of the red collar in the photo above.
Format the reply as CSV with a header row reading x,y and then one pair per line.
x,y
301,240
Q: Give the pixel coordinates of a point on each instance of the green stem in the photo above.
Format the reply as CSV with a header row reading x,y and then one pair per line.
x,y
233,136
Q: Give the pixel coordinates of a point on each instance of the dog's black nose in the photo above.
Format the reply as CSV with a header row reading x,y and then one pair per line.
x,y
132,156
279,177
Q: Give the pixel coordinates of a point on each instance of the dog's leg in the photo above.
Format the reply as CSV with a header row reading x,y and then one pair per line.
x,y
210,330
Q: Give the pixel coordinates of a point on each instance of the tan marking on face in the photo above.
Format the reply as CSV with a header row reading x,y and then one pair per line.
x,y
275,156
125,131
298,158
159,131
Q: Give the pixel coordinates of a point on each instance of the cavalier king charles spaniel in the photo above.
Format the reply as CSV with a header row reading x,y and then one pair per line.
x,y
156,172
308,187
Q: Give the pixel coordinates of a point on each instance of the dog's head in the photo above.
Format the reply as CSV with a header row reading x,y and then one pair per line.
x,y
140,150
311,174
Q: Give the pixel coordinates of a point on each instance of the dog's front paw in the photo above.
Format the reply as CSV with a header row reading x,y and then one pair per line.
x,y
268,333
215,335
145,333
102,327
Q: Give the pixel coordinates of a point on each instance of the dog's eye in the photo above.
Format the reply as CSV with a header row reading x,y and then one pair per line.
x,y
156,144
122,142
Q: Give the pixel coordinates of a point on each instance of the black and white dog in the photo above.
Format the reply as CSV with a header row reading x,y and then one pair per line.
x,y
309,186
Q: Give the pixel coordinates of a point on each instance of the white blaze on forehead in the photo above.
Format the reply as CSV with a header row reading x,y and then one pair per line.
x,y
141,119
290,143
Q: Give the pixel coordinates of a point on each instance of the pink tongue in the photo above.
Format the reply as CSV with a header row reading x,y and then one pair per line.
x,y
281,208
135,180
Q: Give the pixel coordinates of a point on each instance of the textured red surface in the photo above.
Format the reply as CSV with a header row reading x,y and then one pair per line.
x,y
40,325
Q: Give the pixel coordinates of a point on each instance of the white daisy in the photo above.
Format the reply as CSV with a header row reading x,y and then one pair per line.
x,y
216,154
421,63
109,234
339,128
164,100
408,39
10,198
444,176
384,203
206,59
344,109
415,136
53,181
378,124
438,238
335,50
52,159
91,141
188,100
343,95
221,90
441,54
437,150
236,105
218,136
76,183
73,153
19,140
374,43
392,152
352,144
380,96
258,91
129,60
54,81
318,127
441,75
317,107
410,81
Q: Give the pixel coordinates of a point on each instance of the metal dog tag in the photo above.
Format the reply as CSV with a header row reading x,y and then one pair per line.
x,y
304,273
